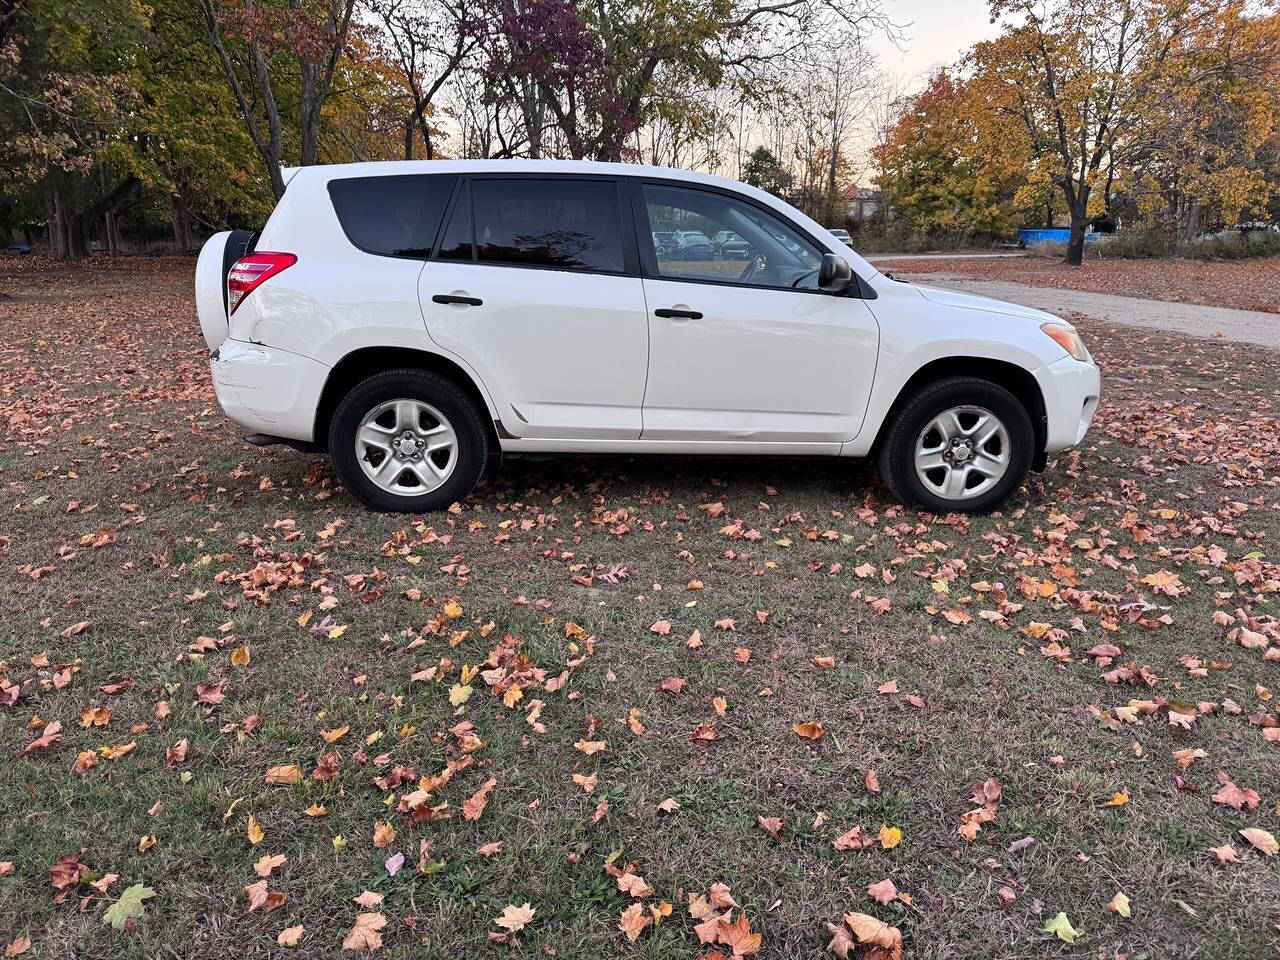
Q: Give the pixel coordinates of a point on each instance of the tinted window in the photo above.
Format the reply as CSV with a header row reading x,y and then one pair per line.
x,y
702,235
456,242
571,224
399,216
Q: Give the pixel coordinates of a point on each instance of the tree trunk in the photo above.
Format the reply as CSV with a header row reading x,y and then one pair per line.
x,y
1075,244
1078,208
53,218
77,240
110,233
66,228
1192,225
180,214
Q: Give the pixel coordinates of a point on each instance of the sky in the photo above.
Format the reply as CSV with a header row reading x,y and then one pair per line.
x,y
939,31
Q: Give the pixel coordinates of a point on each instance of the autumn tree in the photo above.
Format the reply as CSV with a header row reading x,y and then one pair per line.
x,y
1213,154
68,97
581,77
1077,77
279,55
544,57
942,173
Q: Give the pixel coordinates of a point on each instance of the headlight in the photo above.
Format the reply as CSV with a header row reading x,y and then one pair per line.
x,y
1067,338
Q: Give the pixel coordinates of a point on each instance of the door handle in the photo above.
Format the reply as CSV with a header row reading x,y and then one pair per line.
x,y
678,314
451,298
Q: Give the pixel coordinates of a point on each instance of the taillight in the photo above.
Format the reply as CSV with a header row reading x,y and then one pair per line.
x,y
250,271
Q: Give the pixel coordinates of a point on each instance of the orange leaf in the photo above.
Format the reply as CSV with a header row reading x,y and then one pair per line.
x,y
474,805
633,921
810,730
364,935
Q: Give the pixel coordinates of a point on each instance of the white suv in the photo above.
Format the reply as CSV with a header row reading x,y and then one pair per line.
x,y
414,318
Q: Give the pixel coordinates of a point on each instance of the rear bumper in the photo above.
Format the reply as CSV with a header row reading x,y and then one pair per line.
x,y
1071,390
267,390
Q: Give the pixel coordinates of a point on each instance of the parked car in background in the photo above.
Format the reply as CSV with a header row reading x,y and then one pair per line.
x,y
693,245
729,246
664,242
412,318
842,236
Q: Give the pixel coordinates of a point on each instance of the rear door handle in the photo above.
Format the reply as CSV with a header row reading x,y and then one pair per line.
x,y
678,314
453,298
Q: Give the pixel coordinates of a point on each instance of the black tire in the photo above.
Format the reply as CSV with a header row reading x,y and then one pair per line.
x,y
472,446
897,449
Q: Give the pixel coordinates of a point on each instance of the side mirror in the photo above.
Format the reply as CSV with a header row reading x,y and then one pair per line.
x,y
835,274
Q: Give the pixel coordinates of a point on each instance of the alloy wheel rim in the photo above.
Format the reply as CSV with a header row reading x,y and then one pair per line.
x,y
962,453
406,447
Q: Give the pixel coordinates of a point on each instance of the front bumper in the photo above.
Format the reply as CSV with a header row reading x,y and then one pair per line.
x,y
1071,390
268,390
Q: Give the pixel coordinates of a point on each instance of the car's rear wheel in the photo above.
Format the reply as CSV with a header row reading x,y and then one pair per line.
x,y
408,441
959,444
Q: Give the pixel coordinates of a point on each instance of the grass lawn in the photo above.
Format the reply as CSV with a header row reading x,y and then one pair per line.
x,y
579,690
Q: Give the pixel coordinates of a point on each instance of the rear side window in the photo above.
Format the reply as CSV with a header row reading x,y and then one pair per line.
x,y
548,222
396,216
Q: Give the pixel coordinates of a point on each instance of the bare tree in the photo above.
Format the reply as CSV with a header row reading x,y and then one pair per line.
x,y
427,40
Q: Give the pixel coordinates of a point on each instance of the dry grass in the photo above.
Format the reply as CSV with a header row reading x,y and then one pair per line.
x,y
111,436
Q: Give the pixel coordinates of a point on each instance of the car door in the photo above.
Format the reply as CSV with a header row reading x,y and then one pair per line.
x,y
535,284
748,350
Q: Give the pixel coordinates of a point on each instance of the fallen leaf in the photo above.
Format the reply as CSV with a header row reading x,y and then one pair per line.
x,y
884,892
364,935
1261,840
1061,928
289,936
869,930
1119,904
285,774
770,825
265,865
515,918
128,907
474,805
810,730
633,921
384,834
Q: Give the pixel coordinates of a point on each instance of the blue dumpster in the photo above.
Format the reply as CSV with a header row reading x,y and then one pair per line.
x,y
1031,237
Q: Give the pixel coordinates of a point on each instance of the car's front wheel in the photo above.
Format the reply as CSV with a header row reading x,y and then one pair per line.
x,y
960,444
408,441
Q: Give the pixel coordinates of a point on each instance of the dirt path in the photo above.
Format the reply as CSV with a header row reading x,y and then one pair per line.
x,y
1197,320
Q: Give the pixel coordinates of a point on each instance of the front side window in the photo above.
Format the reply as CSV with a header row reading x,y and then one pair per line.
x,y
702,235
393,216
548,222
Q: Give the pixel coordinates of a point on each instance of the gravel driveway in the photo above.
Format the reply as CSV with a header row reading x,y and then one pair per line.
x,y
1243,326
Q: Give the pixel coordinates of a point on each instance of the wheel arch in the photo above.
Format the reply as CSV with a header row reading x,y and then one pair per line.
x,y
1016,379
360,364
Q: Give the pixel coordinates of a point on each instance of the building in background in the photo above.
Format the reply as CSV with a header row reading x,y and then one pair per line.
x,y
861,203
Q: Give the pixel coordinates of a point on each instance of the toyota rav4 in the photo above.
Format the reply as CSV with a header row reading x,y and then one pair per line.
x,y
413,318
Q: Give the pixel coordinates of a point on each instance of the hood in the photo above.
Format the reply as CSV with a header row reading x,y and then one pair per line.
x,y
970,301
